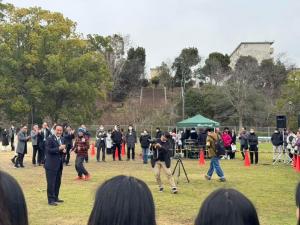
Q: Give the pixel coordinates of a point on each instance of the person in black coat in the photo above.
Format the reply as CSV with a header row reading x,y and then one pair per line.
x,y
130,140
160,160
5,139
55,148
253,144
68,139
277,142
42,137
194,135
202,140
145,143
117,138
12,133
158,133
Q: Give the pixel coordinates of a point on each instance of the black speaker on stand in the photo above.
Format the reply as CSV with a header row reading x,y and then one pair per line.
x,y
299,121
281,121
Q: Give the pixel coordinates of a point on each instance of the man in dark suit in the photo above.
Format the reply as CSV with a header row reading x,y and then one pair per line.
x,y
55,148
42,137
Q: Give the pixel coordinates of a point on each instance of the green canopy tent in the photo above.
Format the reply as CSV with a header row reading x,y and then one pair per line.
x,y
197,121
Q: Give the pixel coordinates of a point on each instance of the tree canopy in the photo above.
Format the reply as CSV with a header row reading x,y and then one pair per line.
x,y
47,69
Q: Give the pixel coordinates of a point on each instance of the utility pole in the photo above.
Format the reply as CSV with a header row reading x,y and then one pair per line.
x,y
182,93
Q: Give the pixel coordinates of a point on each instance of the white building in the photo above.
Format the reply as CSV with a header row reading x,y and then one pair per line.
x,y
258,50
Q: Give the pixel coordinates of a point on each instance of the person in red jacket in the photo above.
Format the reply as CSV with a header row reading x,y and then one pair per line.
x,y
227,143
81,147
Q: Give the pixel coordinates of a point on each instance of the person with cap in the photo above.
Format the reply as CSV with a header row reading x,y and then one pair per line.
x,y
117,139
87,135
130,140
101,143
81,147
211,142
161,161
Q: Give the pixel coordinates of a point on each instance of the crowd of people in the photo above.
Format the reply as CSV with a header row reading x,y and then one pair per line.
x,y
51,147
124,200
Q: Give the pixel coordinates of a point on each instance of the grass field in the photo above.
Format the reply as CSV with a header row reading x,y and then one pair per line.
x,y
271,189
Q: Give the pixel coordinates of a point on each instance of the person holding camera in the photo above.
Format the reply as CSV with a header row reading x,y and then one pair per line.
x,y
160,160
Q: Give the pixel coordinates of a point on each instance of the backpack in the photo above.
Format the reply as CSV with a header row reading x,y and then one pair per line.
x,y
220,149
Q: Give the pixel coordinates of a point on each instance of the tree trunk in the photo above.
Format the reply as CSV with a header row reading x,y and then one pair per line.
x,y
240,121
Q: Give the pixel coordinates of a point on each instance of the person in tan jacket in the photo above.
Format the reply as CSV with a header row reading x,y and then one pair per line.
x,y
211,141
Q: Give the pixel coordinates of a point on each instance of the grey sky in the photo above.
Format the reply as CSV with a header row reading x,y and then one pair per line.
x,y
164,27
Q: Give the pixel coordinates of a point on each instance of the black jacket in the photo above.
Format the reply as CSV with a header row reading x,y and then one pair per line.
x,y
145,141
202,138
277,139
116,136
41,138
194,135
252,139
162,154
68,139
54,157
158,134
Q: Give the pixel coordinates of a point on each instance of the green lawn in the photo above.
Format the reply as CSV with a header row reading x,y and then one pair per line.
x,y
271,188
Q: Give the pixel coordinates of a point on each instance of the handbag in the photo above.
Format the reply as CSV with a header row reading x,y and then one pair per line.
x,y
233,147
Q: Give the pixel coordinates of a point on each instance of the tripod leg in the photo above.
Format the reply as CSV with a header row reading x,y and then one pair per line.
x,y
184,172
175,168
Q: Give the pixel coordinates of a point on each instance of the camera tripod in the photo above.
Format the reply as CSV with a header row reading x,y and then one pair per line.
x,y
179,163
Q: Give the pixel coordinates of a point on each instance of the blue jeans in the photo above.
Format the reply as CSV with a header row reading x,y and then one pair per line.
x,y
215,165
145,154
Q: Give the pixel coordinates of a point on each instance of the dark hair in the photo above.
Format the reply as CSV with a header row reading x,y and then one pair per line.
x,y
123,200
209,129
58,125
167,135
13,209
227,207
298,200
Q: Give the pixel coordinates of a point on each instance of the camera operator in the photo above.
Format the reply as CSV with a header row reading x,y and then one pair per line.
x,y
160,160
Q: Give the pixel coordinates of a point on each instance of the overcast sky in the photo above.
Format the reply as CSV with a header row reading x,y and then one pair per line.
x,y
164,27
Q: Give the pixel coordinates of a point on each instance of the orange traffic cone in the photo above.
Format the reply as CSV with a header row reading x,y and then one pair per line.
x,y
298,163
247,160
93,150
123,149
201,158
295,161
117,153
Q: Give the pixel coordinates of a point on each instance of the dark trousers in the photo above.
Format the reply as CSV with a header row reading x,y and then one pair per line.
x,y
100,148
128,152
19,160
41,155
79,166
117,146
35,150
254,152
243,147
66,157
53,184
12,143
